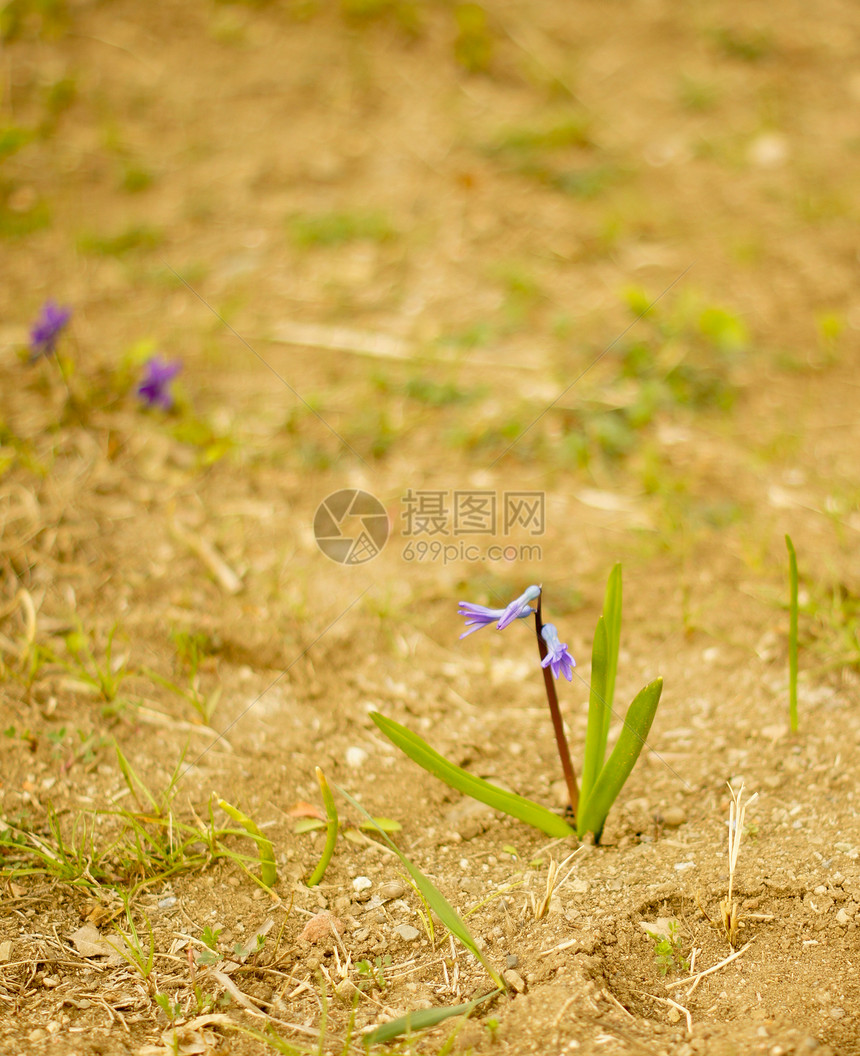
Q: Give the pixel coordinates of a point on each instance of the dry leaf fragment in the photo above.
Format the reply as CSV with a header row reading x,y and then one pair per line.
x,y
89,942
191,1038
302,809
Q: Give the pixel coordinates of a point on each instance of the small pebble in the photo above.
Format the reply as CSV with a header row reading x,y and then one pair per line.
x,y
362,883
514,980
321,927
512,961
391,889
355,757
407,932
345,990
841,918
674,816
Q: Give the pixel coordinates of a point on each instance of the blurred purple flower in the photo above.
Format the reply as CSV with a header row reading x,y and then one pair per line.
x,y
481,616
47,329
558,659
478,616
514,610
154,388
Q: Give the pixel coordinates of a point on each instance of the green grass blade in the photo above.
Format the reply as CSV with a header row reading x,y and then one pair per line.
x,y
597,730
515,806
421,1020
434,898
618,766
612,615
135,785
331,831
268,869
792,634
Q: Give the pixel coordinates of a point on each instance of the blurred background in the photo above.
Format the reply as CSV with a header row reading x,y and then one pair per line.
x,y
603,252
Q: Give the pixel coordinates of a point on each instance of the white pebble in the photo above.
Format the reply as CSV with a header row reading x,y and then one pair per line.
x,y
362,883
355,757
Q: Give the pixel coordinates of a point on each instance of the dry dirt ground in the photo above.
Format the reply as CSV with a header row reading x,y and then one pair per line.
x,y
409,248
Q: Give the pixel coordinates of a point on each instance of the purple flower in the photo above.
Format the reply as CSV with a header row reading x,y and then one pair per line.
x,y
514,610
154,388
557,658
47,329
480,616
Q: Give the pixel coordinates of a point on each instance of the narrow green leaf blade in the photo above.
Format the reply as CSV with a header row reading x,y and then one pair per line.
x,y
331,830
420,1020
618,766
612,615
434,898
515,806
598,727
268,868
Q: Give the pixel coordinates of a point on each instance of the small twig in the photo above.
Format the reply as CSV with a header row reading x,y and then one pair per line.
x,y
695,979
237,995
686,1011
615,1001
206,552
557,949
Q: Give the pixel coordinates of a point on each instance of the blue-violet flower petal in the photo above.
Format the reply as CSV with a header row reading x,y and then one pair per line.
x,y
558,659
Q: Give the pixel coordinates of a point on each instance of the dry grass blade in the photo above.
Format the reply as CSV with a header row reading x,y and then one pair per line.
x,y
553,884
728,908
223,574
695,979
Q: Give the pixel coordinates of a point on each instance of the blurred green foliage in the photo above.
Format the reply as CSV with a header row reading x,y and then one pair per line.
x,y
338,228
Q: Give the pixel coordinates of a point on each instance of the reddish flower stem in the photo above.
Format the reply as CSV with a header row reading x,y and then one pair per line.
x,y
557,724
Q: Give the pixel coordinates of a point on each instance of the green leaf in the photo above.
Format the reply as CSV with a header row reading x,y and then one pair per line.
x,y
268,869
507,802
598,728
135,784
421,1020
331,830
618,766
386,824
435,900
308,825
